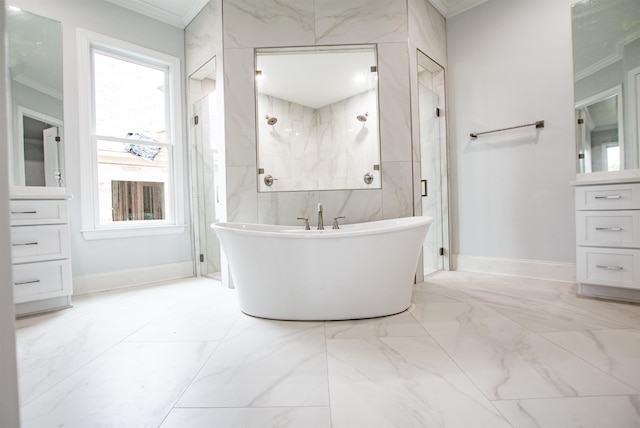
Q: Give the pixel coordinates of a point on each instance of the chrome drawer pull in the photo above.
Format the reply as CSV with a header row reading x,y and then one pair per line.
x,y
613,229
610,267
33,281
24,212
609,197
26,243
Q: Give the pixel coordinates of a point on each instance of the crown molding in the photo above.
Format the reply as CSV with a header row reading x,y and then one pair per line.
x,y
449,8
180,15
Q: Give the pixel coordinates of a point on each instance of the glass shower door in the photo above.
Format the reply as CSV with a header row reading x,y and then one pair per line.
x,y
432,161
203,159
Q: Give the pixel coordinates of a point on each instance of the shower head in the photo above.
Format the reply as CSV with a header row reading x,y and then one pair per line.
x,y
271,120
362,117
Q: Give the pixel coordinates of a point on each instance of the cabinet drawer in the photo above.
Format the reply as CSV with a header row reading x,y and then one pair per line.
x,y
35,281
608,197
26,212
608,266
608,228
39,243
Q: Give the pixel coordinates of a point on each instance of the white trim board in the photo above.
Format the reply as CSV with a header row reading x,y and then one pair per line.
x,y
516,267
114,280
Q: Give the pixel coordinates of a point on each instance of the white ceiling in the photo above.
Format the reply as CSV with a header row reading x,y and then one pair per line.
x,y
180,12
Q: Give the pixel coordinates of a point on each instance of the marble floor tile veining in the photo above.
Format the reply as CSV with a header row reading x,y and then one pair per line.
x,y
473,350
507,361
264,363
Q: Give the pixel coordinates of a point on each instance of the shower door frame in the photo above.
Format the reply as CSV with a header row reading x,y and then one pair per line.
x,y
204,185
440,189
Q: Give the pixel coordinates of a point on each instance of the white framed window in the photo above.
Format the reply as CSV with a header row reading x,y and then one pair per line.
x,y
131,147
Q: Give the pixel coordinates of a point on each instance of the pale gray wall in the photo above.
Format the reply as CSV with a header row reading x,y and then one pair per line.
x,y
510,63
102,256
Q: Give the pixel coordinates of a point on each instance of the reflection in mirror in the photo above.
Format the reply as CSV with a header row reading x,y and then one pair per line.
x,y
35,93
599,132
317,118
606,64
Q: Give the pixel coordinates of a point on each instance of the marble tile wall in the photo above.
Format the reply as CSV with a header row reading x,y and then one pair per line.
x,y
427,31
240,26
427,35
202,37
250,24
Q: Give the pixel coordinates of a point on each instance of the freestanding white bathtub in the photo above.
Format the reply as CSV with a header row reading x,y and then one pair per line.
x,y
358,271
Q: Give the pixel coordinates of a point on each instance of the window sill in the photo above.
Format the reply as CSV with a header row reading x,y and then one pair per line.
x,y
131,232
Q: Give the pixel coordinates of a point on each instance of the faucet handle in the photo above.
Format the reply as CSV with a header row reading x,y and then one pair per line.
x,y
306,222
335,221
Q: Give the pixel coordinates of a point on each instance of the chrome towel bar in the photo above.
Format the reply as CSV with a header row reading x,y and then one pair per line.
x,y
538,124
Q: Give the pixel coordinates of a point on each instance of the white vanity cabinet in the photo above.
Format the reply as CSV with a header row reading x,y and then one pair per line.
x,y
40,253
608,239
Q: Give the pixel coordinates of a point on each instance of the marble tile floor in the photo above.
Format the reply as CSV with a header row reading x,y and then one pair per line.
x,y
473,350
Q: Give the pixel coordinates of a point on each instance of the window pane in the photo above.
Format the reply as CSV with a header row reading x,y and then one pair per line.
x,y
133,181
137,200
130,99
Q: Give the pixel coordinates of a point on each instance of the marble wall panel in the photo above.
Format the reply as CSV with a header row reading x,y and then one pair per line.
x,y
360,21
240,126
397,191
242,204
203,37
254,23
427,30
286,207
358,206
394,96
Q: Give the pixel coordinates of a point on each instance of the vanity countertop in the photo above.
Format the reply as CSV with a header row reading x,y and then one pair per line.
x,y
618,177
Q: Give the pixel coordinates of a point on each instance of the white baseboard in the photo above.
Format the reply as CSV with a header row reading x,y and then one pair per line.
x,y
517,267
105,281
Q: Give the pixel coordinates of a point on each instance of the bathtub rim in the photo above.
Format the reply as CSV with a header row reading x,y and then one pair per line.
x,y
346,230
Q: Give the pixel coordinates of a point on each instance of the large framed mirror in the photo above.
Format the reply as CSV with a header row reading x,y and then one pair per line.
x,y
606,65
317,118
35,94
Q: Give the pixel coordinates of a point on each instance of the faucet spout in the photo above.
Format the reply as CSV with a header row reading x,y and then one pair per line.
x,y
320,221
